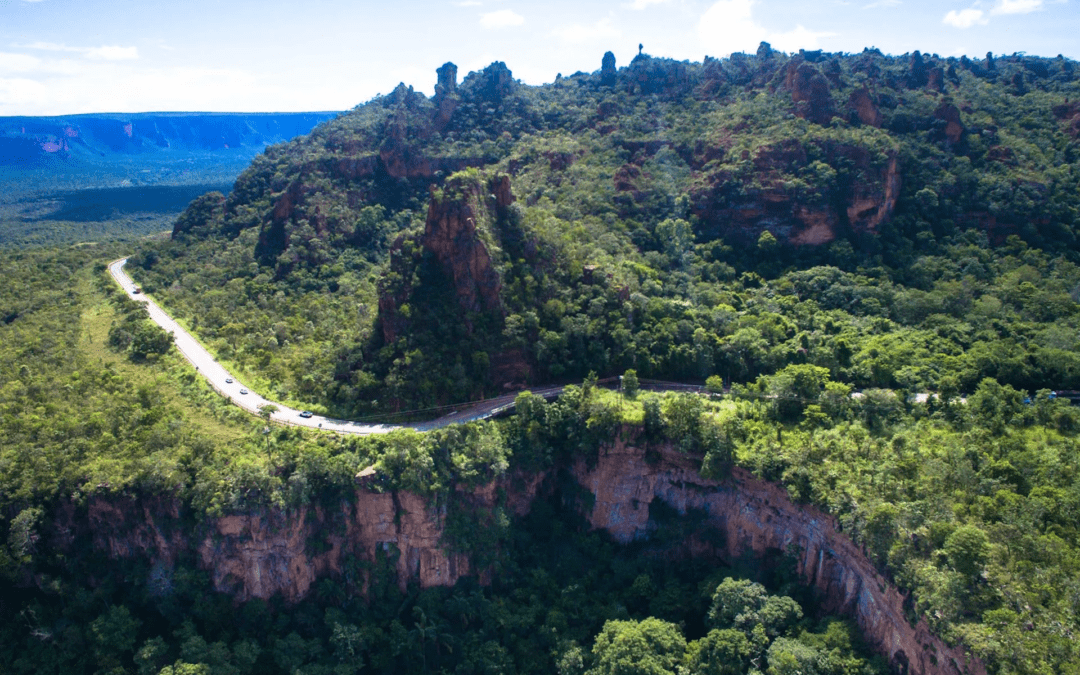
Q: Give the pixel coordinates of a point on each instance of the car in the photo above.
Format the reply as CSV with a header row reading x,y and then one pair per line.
x,y
228,380
243,391
136,290
306,414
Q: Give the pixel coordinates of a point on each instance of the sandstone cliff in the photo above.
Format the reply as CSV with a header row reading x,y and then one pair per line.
x,y
262,554
460,229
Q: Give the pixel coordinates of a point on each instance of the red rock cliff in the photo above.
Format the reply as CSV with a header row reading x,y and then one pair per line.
x,y
757,516
262,554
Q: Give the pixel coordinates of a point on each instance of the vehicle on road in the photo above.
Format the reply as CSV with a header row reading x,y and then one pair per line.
x,y
228,380
136,290
243,391
306,414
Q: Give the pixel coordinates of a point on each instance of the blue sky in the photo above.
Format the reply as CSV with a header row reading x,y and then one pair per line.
x,y
80,56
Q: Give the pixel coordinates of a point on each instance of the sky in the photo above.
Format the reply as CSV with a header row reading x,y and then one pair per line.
x,y
61,57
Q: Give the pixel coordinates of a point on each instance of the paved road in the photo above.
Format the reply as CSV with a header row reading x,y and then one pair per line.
x,y
227,384
230,386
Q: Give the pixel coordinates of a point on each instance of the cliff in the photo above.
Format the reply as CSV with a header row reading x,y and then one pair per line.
x,y
460,228
258,555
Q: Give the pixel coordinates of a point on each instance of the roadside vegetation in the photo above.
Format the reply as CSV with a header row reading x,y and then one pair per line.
x,y
967,498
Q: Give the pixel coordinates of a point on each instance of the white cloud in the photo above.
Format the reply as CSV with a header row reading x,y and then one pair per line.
x,y
17,63
728,26
49,47
504,18
883,3
1016,6
102,53
112,53
965,18
578,34
642,4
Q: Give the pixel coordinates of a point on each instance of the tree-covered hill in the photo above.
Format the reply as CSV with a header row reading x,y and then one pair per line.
x,y
905,222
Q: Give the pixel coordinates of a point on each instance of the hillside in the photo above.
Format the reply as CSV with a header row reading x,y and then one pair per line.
x,y
815,237
416,252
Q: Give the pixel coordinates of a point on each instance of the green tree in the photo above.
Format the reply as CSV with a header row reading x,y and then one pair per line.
x,y
721,652
114,633
648,647
967,550
791,657
630,384
795,387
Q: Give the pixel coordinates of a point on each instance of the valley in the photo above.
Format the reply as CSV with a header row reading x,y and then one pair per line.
x,y
786,228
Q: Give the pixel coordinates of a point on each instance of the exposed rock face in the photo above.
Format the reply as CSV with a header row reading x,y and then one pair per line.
x,y
647,75
447,79
727,209
950,114
861,102
451,235
809,92
262,554
918,72
492,84
1069,114
756,516
607,70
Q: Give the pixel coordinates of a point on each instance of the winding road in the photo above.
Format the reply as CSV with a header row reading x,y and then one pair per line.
x,y
230,386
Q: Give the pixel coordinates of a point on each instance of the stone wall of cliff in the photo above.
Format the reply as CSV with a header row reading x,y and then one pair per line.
x,y
266,553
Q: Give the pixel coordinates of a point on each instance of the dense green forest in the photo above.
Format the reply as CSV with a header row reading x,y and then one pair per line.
x,y
972,506
817,238
658,216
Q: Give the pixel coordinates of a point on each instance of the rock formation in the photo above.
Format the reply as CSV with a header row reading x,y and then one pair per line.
x,y
950,114
862,104
809,92
458,210
266,553
607,70
450,233
1069,114
728,209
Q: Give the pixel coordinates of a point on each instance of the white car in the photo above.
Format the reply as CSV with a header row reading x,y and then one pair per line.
x,y
243,391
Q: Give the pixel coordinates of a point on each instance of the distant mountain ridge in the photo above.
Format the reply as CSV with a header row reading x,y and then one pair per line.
x,y
25,141
130,172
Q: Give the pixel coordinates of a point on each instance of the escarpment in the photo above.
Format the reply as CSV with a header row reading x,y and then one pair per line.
x,y
270,552
459,232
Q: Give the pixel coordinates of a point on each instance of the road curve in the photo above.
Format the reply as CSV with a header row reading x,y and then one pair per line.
x,y
229,386
218,377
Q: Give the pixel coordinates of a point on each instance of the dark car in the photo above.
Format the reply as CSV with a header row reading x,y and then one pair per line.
x,y
306,414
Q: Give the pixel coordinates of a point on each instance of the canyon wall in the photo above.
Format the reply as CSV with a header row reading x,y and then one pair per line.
x,y
261,554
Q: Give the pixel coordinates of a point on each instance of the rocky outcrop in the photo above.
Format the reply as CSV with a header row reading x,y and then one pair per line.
x,y
950,115
463,206
450,233
608,73
262,555
728,208
648,75
492,84
809,92
758,518
269,552
864,108
1069,114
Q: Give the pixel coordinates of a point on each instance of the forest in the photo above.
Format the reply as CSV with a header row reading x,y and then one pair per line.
x,y
869,262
